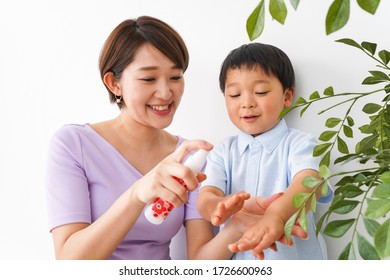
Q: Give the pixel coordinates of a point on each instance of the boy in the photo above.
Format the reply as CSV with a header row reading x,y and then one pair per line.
x,y
266,156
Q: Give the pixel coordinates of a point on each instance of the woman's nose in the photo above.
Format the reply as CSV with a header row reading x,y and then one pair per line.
x,y
163,91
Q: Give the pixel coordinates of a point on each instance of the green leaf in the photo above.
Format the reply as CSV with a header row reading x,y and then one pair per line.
x,y
329,91
338,15
371,108
304,109
360,178
350,42
348,253
368,142
385,177
384,55
369,6
332,122
380,75
285,111
348,131
326,159
350,121
382,190
278,10
313,205
377,208
342,146
344,206
289,226
327,135
255,22
345,158
311,182
303,219
300,101
372,81
382,240
366,250
320,222
299,199
370,47
324,189
295,4
314,95
350,191
320,149
371,226
324,171
338,228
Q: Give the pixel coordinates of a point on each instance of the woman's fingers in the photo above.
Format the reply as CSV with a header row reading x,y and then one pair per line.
x,y
190,145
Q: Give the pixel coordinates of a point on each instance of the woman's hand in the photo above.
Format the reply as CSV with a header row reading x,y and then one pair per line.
x,y
160,182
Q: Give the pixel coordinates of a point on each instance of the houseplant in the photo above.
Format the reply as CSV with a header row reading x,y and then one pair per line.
x,y
362,189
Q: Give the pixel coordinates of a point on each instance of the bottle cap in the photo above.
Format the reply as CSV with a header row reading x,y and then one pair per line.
x,y
196,160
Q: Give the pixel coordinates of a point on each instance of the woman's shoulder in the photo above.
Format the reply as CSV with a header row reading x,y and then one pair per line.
x,y
71,130
70,135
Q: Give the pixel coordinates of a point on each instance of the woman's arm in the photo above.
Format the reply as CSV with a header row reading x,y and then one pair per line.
x,y
201,243
99,239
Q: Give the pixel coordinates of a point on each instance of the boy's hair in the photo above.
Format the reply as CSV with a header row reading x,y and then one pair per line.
x,y
269,58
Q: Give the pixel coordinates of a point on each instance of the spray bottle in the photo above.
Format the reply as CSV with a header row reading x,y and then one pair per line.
x,y
157,212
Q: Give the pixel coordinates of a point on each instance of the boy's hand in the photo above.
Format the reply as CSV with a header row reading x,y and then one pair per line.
x,y
252,212
261,236
230,205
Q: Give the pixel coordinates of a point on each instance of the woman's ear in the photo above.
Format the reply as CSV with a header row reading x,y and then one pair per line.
x,y
112,83
289,96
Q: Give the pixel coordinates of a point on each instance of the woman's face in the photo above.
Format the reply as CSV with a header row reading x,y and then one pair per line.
x,y
151,87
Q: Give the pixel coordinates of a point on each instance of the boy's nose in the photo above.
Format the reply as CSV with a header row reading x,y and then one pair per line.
x,y
248,102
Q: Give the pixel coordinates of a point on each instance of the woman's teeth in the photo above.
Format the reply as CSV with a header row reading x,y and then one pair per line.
x,y
159,108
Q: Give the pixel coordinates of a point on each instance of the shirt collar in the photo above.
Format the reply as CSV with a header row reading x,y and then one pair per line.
x,y
269,140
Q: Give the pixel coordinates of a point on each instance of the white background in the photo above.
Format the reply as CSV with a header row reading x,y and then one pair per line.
x,y
49,77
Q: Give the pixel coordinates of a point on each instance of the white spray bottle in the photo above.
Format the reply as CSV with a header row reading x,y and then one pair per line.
x,y
157,212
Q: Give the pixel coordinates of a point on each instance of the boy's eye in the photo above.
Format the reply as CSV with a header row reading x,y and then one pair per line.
x,y
261,92
176,78
234,95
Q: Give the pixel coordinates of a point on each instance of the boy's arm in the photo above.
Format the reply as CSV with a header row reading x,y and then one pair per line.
x,y
283,207
271,227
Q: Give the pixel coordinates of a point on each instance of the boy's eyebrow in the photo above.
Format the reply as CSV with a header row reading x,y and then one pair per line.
x,y
256,81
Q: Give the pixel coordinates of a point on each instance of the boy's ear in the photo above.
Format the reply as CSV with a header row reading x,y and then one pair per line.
x,y
112,83
289,96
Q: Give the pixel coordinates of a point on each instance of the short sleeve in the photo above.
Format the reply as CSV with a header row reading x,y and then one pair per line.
x,y
191,210
66,184
216,170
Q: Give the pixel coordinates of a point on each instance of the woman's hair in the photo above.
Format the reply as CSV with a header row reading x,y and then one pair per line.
x,y
269,58
124,41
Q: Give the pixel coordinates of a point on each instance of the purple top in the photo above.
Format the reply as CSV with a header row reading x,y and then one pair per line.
x,y
86,174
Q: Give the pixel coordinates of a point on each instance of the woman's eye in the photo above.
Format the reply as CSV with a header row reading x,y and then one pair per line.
x,y
147,79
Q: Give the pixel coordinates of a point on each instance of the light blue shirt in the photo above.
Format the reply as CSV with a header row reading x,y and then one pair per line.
x,y
265,165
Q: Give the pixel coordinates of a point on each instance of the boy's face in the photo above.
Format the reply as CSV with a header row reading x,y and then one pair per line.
x,y
254,100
